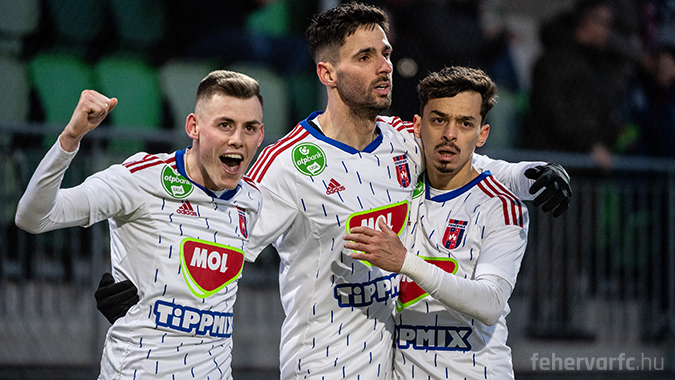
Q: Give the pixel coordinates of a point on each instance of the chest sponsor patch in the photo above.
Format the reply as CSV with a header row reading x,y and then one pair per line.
x,y
410,292
175,184
209,267
309,159
419,188
395,216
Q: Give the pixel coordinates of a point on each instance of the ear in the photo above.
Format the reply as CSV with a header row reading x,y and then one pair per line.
x,y
326,73
191,126
262,134
417,120
482,137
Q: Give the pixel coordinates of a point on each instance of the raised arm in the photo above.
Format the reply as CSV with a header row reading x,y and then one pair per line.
x,y
44,206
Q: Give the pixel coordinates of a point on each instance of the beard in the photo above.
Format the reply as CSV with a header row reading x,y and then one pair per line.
x,y
361,100
447,168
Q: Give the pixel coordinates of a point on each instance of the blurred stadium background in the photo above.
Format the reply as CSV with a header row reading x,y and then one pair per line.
x,y
596,284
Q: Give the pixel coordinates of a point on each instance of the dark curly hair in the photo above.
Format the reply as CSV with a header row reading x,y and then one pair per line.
x,y
450,81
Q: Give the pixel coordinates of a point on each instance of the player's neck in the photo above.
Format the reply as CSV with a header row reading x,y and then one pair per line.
x,y
341,125
452,181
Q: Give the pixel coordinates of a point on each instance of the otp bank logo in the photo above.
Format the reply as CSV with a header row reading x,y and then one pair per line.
x,y
208,267
410,292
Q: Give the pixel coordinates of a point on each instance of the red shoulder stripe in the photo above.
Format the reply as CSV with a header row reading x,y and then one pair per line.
x,y
266,151
270,153
511,206
248,180
516,203
147,162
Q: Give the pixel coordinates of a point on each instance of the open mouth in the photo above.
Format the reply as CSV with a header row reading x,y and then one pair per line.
x,y
231,161
446,153
382,88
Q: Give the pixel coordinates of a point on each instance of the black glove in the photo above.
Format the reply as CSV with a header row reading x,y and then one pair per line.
x,y
558,193
114,299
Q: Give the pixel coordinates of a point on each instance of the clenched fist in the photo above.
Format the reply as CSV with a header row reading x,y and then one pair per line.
x,y
91,110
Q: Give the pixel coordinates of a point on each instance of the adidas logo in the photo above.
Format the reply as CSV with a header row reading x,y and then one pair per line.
x,y
186,209
334,187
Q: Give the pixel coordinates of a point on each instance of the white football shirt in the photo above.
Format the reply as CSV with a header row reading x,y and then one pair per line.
x,y
478,229
180,244
338,310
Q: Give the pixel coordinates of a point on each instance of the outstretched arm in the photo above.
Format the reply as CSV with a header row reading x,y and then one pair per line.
x,y
527,179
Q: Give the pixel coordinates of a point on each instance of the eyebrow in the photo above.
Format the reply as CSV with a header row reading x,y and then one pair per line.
x,y
372,50
230,120
446,116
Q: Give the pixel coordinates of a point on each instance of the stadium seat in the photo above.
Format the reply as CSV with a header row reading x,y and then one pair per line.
x,y
15,90
179,80
273,88
17,19
136,85
58,80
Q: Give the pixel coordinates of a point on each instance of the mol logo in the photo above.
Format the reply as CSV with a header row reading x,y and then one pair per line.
x,y
394,215
410,292
208,267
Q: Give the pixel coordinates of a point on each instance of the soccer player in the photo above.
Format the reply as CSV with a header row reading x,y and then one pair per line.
x,y
337,170
470,234
179,228
341,168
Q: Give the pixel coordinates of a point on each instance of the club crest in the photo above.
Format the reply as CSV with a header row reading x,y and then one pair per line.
x,y
454,233
402,170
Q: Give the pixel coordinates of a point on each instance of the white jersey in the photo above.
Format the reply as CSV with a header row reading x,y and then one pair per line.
x,y
180,244
478,229
338,310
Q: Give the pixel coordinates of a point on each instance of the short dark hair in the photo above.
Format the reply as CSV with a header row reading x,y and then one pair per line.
x,y
228,83
453,80
328,30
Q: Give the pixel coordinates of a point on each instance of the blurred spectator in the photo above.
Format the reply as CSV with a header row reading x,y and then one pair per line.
x,y
216,28
578,84
658,125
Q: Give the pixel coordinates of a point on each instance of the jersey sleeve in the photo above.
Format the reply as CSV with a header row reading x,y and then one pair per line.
x,y
483,299
503,246
46,207
510,174
484,296
276,216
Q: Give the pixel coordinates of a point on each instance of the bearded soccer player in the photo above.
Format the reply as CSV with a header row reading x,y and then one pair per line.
x,y
179,229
